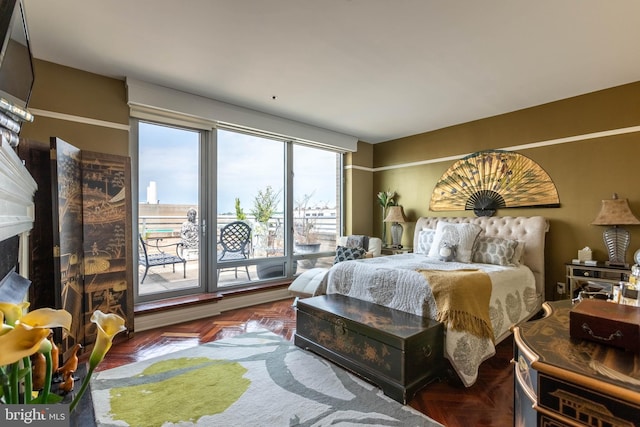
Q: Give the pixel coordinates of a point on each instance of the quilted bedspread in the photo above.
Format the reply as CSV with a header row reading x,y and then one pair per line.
x,y
394,281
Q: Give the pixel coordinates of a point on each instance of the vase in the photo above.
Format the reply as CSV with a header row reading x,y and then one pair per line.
x,y
307,248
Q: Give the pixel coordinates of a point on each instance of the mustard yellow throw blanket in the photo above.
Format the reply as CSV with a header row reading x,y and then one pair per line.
x,y
462,298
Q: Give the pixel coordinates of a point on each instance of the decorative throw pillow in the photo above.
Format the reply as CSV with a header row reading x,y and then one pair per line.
x,y
346,254
425,240
357,241
494,250
517,256
463,236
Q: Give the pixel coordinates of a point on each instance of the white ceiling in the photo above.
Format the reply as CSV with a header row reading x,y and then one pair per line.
x,y
374,69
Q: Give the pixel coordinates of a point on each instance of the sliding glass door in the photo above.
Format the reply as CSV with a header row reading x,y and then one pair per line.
x,y
288,194
168,211
252,190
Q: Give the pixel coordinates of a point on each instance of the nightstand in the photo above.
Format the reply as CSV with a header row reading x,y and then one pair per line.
x,y
396,251
601,274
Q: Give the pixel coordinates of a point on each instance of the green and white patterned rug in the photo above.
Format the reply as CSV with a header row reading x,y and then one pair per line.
x,y
254,379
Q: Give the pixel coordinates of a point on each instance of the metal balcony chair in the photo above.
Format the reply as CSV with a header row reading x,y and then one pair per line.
x,y
235,241
159,257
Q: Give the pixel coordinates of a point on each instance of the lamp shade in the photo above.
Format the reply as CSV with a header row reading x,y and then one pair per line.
x,y
396,214
615,212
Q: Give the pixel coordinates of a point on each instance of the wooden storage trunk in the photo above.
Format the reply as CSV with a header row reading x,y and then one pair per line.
x,y
399,352
607,323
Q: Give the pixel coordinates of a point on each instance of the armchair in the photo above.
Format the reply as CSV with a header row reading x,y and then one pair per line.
x,y
373,245
310,282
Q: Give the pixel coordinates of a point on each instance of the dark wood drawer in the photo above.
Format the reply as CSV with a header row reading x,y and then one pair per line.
x,y
586,273
583,405
599,274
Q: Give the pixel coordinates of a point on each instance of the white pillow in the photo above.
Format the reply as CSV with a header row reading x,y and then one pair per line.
x,y
463,236
425,240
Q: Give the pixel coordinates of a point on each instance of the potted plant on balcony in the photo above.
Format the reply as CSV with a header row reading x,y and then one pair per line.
x,y
265,204
306,236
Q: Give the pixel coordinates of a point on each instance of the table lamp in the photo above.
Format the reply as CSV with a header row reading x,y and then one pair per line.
x,y
616,212
395,217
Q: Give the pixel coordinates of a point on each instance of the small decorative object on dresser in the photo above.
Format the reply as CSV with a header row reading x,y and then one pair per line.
x,y
585,254
607,323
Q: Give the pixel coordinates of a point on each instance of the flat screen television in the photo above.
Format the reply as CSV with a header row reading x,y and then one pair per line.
x,y
16,64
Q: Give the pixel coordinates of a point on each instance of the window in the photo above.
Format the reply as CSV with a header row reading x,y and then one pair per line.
x,y
168,210
270,184
316,199
258,208
252,188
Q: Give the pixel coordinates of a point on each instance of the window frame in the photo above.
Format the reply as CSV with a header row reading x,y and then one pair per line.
x,y
208,190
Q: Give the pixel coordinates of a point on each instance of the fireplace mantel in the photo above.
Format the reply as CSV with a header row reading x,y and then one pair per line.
x,y
17,189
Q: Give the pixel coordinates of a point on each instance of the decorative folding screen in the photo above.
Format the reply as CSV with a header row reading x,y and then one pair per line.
x,y
488,180
93,255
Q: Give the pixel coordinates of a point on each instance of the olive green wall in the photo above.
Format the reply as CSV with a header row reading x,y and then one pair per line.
x,y
358,186
584,171
91,112
84,109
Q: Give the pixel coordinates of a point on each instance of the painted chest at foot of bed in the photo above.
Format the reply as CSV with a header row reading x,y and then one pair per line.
x,y
397,351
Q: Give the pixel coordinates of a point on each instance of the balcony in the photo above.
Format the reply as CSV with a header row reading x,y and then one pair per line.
x,y
266,251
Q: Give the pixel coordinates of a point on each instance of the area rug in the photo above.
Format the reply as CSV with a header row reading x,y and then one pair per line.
x,y
254,379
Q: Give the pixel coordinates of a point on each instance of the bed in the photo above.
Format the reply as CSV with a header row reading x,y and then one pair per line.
x,y
510,250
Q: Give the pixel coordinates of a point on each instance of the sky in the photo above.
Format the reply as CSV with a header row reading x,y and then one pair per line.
x,y
246,164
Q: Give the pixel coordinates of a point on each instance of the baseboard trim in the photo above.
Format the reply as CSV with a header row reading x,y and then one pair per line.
x,y
158,319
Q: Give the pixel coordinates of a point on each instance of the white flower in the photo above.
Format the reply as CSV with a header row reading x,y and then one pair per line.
x,y
385,198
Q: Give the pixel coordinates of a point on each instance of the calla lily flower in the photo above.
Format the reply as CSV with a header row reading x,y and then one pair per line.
x,y
109,325
22,335
20,342
46,318
12,312
40,318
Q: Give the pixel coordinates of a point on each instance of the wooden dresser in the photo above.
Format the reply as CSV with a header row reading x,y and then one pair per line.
x,y
564,381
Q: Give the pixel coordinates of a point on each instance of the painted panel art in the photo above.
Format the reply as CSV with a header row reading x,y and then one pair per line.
x,y
489,180
107,243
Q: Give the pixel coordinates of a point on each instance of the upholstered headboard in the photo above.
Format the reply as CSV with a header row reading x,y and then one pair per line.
x,y
530,230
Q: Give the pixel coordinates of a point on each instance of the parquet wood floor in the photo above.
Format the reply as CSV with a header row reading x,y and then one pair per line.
x,y
489,402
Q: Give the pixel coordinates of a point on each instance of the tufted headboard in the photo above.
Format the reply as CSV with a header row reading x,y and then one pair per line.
x,y
530,230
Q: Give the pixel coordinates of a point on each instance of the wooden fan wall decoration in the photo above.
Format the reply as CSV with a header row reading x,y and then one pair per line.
x,y
493,179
